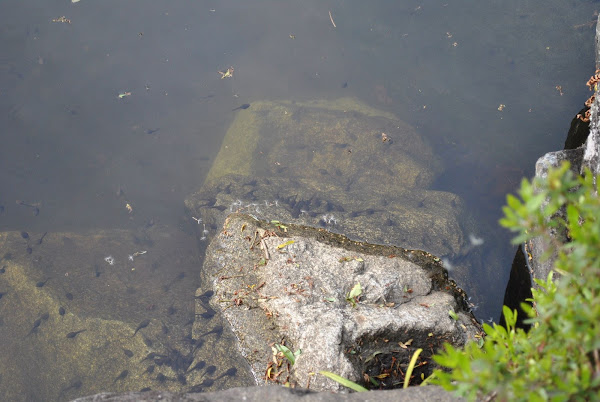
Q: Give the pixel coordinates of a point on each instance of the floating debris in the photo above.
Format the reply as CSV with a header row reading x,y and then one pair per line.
x,y
227,73
62,19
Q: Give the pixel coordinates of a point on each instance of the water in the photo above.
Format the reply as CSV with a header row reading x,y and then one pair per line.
x,y
71,145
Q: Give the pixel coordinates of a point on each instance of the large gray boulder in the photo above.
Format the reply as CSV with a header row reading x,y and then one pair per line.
x,y
286,284
586,156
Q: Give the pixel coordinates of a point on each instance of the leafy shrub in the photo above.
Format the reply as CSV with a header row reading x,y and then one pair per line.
x,y
559,358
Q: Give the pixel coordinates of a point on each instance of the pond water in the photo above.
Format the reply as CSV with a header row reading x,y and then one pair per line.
x,y
121,103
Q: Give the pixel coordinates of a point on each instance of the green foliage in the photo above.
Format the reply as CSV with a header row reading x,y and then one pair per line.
x,y
344,381
559,359
353,296
287,353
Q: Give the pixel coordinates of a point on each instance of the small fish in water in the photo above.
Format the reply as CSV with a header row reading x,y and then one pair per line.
x,y
45,316
61,310
244,106
128,352
150,369
29,250
150,131
142,325
69,296
2,293
121,376
145,389
73,334
25,235
41,283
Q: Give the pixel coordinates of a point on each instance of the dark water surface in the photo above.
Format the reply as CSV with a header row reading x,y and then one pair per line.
x,y
491,85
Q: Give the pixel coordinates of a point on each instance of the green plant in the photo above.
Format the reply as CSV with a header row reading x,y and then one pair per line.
x,y
344,381
559,358
353,295
287,353
411,367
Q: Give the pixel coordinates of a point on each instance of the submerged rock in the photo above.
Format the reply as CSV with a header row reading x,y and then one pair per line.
x,y
343,166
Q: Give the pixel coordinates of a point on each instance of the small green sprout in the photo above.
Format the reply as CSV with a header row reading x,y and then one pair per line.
x,y
287,353
354,294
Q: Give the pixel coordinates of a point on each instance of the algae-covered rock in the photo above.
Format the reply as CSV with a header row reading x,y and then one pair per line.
x,y
82,313
336,164
332,144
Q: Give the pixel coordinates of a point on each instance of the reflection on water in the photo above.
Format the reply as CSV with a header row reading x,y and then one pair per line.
x,y
74,154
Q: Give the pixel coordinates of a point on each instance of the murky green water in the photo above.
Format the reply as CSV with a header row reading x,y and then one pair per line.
x,y
491,86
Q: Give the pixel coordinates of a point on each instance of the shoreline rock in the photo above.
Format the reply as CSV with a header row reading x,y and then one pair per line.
x,y
280,283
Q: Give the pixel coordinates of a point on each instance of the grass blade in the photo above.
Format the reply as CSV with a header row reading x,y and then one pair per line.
x,y
344,381
411,366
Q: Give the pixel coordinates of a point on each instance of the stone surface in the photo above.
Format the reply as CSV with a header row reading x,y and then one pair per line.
x,y
281,283
326,164
278,394
109,302
587,156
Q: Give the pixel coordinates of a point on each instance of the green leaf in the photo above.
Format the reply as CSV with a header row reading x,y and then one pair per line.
x,y
353,295
411,367
287,353
287,243
344,381
453,315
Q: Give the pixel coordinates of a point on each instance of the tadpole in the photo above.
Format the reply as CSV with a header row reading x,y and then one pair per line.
x,y
73,334
229,373
41,283
198,366
142,325
121,376
210,370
